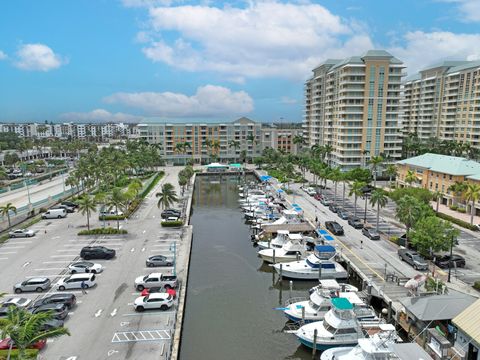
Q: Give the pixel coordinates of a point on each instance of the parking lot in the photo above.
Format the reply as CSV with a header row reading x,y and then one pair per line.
x,y
104,323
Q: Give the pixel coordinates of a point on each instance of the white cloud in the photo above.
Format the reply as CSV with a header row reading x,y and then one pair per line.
x,y
3,56
146,3
38,57
208,101
288,100
469,9
99,115
422,49
264,39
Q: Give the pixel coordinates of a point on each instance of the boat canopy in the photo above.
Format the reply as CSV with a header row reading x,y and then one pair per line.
x,y
322,232
265,177
341,303
295,236
324,248
237,166
328,238
216,165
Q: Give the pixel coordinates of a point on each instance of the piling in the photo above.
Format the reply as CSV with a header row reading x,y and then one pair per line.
x,y
320,271
389,313
281,271
303,314
314,350
290,283
274,262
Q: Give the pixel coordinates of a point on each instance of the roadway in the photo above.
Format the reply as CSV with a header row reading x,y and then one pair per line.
x,y
103,325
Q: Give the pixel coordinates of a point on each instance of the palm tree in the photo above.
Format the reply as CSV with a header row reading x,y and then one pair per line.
x,y
299,140
101,199
6,209
391,171
356,189
86,205
206,143
375,162
134,187
187,146
410,177
472,194
25,329
180,147
458,188
215,148
437,196
253,141
116,199
235,144
167,196
336,176
408,211
182,181
378,197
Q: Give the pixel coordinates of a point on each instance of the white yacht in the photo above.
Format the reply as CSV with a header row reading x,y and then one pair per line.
x,y
338,328
277,242
319,304
319,265
292,250
377,347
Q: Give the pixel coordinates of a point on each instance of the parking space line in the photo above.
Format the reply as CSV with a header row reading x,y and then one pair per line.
x,y
56,262
6,253
13,241
3,258
69,255
47,269
150,314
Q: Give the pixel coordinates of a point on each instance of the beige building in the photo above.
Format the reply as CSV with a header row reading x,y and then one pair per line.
x,y
354,106
444,101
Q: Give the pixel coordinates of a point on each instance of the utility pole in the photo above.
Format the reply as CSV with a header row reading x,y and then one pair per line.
x,y
450,261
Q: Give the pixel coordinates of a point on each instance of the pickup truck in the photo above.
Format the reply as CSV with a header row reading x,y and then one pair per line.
x,y
413,258
155,280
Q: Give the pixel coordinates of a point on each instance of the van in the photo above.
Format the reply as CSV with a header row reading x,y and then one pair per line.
x,y
75,281
54,214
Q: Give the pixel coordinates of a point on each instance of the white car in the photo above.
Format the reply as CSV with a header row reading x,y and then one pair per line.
x,y
17,301
85,267
21,233
162,301
75,282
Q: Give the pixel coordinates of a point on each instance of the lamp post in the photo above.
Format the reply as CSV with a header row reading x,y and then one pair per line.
x,y
28,191
450,261
365,197
173,247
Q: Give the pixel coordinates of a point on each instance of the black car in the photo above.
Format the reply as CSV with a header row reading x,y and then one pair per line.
x,y
342,214
67,208
446,261
70,204
170,213
332,207
51,324
334,227
60,311
96,252
371,233
355,222
64,298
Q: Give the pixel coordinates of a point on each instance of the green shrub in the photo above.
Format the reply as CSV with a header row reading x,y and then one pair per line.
x,y
462,210
112,217
103,231
154,182
418,193
453,207
177,223
30,354
476,285
394,239
459,222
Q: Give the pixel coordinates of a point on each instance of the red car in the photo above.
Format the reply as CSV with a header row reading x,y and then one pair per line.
x,y
170,291
5,344
317,197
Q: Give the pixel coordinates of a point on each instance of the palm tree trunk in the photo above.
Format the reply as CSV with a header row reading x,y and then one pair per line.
x,y
343,197
355,208
378,213
8,217
472,212
118,220
438,203
88,219
335,194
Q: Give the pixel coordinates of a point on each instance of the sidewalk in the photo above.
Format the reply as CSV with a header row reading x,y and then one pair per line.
x,y
461,216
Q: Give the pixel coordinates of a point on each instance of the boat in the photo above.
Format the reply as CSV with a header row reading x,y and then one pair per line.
x,y
339,327
277,242
319,265
293,249
319,304
377,347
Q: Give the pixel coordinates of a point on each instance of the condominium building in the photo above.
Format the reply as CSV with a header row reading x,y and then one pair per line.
x,y
353,105
443,101
281,139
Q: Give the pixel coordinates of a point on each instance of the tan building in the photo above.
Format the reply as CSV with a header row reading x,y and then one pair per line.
x,y
354,106
281,139
436,172
444,101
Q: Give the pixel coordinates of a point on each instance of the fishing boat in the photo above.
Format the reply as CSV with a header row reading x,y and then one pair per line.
x,y
277,242
319,265
339,327
293,249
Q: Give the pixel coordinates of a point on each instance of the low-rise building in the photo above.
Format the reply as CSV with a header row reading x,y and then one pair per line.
x,y
468,332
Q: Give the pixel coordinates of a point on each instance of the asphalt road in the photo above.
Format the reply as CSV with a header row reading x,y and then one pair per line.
x,y
103,325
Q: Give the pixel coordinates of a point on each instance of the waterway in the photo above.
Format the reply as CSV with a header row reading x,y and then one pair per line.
x,y
231,293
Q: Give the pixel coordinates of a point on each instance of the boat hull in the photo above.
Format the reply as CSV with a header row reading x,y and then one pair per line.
x,y
311,275
322,346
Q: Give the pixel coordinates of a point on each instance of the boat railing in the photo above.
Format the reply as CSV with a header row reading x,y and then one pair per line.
x,y
295,300
291,327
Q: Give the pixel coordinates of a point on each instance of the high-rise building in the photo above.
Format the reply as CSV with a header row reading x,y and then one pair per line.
x,y
353,105
443,101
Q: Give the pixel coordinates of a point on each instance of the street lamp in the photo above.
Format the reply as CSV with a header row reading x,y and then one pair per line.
x,y
173,247
28,191
365,197
450,260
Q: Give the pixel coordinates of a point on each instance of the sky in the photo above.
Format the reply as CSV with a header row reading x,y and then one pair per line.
x,y
181,60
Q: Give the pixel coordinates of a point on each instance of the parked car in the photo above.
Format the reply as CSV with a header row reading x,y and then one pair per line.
x,y
355,222
85,267
325,201
158,260
70,203
17,302
20,233
52,324
6,343
155,280
371,233
68,209
170,213
310,191
332,207
317,197
342,214
60,311
54,214
75,281
454,261
37,284
111,212
162,301
334,227
413,258
97,252
60,298
152,290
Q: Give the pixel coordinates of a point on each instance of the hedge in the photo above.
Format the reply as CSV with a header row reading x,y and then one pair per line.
x,y
176,223
152,184
29,354
103,231
459,222
112,217
476,285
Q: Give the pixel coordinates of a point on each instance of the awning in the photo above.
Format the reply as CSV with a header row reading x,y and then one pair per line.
x,y
265,177
280,191
322,232
239,166
328,237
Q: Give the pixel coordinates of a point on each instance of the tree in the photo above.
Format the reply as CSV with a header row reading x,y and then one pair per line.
x,y
6,209
167,196
458,188
359,174
437,196
86,205
116,200
378,197
235,144
356,189
336,176
472,194
10,159
410,177
25,329
206,143
391,171
182,181
299,140
101,198
421,194
432,234
410,210
375,162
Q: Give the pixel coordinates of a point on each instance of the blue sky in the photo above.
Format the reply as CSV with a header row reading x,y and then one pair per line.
x,y
180,60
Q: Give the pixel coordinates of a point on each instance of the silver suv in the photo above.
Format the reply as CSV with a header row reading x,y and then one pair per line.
x,y
37,284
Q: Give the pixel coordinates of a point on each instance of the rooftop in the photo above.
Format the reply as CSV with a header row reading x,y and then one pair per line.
x,y
468,321
408,351
451,165
437,307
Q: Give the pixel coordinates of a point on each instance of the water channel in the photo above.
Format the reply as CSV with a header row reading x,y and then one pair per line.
x,y
231,294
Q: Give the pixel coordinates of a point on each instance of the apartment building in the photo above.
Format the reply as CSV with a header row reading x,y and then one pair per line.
x,y
281,139
354,105
443,101
247,132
